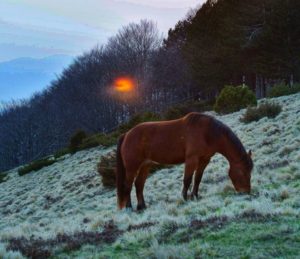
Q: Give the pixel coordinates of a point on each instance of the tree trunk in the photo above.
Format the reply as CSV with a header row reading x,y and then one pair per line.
x,y
291,80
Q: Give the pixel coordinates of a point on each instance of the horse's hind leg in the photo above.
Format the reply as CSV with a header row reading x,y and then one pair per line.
x,y
190,167
127,191
132,168
130,175
139,186
198,176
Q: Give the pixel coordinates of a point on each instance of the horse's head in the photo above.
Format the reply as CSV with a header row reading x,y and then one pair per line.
x,y
240,174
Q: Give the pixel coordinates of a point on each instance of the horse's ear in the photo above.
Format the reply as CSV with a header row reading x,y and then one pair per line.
x,y
250,153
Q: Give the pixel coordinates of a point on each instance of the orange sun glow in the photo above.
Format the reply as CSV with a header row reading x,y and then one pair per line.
x,y
124,84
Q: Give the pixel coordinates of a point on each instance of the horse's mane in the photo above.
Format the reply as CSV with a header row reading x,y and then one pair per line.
x,y
224,129
219,129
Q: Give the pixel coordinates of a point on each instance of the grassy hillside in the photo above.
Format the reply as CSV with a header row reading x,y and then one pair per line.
x,y
63,211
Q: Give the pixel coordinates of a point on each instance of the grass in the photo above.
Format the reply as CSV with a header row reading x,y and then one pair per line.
x,y
68,201
244,237
275,237
3,177
35,166
40,248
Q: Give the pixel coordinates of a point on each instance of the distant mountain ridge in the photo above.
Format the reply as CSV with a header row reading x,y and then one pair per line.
x,y
20,78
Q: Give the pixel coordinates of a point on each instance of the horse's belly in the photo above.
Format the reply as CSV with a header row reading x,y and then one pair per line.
x,y
168,161
170,156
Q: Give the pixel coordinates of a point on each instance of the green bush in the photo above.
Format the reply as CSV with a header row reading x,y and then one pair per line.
x,y
76,140
3,177
181,110
267,109
90,142
233,99
283,89
102,139
62,152
35,166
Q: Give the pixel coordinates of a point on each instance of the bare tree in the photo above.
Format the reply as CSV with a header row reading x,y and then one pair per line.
x,y
78,98
133,47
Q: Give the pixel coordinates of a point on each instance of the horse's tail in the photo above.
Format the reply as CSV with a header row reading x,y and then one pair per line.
x,y
121,172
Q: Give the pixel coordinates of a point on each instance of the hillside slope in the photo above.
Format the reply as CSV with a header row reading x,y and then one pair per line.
x,y
63,210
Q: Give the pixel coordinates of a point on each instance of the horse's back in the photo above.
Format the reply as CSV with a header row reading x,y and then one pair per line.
x,y
161,142
170,142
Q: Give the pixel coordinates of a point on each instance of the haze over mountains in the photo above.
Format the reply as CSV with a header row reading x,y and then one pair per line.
x,y
21,77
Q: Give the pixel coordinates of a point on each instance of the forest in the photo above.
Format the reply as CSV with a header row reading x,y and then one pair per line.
x,y
223,42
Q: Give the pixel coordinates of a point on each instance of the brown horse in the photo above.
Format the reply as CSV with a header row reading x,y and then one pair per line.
x,y
192,140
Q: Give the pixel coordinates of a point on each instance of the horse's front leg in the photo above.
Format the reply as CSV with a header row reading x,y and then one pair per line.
x,y
198,176
128,204
190,167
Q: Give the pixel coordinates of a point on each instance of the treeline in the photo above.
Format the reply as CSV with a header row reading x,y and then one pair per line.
x,y
255,42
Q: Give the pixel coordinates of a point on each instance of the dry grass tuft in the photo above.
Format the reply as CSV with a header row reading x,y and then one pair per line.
x,y
41,248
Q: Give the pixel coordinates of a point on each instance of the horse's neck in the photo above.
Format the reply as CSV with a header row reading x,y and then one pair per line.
x,y
229,150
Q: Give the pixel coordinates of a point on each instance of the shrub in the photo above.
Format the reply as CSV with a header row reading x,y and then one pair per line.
x,y
267,109
92,141
76,140
283,89
233,98
35,166
181,110
3,177
102,139
62,152
107,169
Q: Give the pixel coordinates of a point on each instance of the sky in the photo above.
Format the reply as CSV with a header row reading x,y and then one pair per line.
x,y
40,28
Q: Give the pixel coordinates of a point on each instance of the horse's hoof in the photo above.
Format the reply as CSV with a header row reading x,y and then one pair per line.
x,y
194,196
128,210
141,207
128,205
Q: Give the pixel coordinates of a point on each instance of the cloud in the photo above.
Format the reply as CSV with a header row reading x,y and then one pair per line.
x,y
165,4
24,29
76,26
